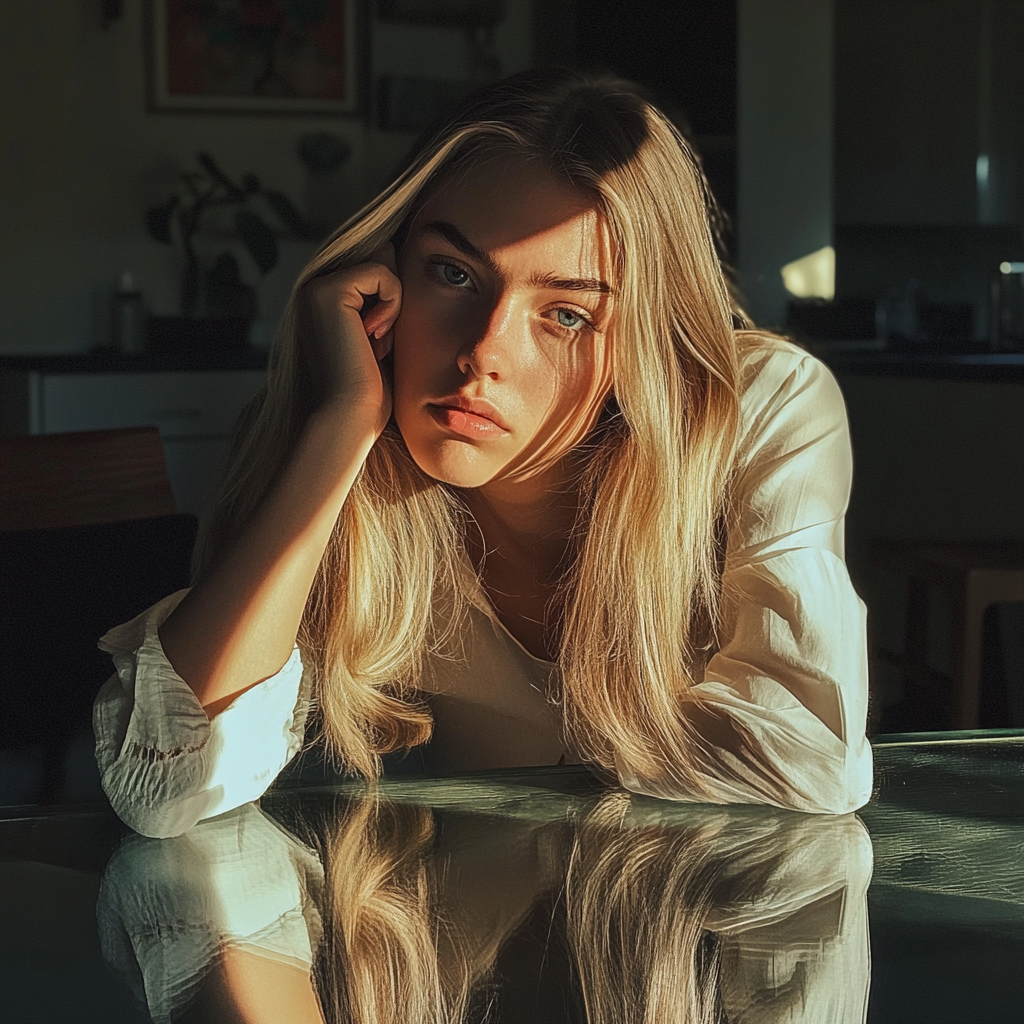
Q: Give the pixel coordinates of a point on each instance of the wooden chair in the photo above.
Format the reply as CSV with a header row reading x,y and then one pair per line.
x,y
98,476
974,575
88,539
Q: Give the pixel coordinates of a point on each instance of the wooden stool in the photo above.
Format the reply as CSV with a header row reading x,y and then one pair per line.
x,y
975,575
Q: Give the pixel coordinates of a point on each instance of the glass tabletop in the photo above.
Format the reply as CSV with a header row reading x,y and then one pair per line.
x,y
536,895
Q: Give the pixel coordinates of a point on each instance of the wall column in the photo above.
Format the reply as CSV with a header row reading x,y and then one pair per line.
x,y
785,97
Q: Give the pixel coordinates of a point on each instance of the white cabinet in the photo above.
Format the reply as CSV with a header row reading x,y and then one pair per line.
x,y
193,410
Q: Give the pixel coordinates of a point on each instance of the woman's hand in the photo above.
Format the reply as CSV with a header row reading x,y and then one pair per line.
x,y
352,313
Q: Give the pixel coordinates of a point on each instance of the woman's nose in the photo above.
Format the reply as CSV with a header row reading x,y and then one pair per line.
x,y
486,351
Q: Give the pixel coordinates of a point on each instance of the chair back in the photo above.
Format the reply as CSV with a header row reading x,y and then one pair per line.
x,y
88,539
82,479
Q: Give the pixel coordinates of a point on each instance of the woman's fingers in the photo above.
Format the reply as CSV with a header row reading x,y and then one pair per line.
x,y
385,256
383,312
353,311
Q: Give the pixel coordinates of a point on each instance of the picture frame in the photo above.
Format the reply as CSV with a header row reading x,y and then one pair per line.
x,y
257,57
463,13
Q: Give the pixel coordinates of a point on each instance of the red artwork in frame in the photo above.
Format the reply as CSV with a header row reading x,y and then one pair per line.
x,y
254,56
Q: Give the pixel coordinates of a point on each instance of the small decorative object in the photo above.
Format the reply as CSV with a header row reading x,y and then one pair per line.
x,y
255,56
219,288
128,317
322,153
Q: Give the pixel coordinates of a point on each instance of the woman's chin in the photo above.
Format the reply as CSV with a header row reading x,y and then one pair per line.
x,y
456,463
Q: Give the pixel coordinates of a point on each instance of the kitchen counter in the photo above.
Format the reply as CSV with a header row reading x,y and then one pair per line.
x,y
977,366
111,361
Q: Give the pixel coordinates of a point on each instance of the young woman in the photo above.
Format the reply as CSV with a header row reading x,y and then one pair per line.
x,y
522,483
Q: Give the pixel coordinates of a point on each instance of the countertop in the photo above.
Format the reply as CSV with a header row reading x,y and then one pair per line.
x,y
979,366
110,361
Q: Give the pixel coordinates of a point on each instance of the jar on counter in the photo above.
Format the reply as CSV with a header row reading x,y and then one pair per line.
x,y
128,319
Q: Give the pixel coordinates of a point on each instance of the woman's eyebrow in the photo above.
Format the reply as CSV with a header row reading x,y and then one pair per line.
x,y
570,284
457,240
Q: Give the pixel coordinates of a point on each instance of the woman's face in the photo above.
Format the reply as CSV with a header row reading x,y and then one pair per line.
x,y
501,363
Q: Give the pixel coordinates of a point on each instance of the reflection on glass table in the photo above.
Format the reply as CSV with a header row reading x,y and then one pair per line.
x,y
432,902
535,896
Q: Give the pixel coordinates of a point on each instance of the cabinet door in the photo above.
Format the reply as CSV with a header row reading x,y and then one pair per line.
x,y
180,404
194,412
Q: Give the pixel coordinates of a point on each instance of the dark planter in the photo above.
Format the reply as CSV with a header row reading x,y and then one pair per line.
x,y
173,335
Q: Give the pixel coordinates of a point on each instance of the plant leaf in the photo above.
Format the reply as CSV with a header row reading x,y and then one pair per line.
x,y
286,212
158,220
258,240
209,165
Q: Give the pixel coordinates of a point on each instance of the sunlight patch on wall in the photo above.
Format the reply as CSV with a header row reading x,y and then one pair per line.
x,y
812,276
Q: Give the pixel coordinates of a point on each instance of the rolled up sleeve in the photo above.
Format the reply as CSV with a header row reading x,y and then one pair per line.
x,y
163,764
790,676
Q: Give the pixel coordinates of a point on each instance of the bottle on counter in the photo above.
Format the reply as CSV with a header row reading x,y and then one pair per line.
x,y
129,317
1006,310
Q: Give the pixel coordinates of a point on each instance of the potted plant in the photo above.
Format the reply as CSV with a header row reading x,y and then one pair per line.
x,y
216,289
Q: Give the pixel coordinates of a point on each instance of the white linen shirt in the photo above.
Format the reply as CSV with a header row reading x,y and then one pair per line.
x,y
791,674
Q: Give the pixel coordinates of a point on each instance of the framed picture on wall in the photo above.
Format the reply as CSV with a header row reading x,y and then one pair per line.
x,y
256,56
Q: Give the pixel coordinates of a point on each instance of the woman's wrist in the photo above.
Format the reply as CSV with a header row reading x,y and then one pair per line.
x,y
348,416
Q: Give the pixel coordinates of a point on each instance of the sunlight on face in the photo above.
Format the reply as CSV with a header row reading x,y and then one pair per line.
x,y
500,355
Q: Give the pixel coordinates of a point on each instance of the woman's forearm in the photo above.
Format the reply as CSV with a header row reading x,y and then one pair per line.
x,y
238,625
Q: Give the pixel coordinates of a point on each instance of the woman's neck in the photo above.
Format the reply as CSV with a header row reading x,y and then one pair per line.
x,y
527,523
521,544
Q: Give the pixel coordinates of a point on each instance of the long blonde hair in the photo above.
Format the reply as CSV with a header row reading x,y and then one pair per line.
x,y
641,601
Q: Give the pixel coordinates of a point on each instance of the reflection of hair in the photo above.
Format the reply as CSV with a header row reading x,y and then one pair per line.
x,y
638,899
638,902
379,961
641,602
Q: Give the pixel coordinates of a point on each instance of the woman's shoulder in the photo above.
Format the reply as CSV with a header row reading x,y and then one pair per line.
x,y
770,364
785,391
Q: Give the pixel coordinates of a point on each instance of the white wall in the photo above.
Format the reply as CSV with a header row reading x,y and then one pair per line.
x,y
81,158
784,143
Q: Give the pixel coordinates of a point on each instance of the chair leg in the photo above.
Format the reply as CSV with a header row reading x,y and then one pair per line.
x,y
968,636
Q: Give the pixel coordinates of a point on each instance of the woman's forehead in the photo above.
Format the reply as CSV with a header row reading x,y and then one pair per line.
x,y
515,207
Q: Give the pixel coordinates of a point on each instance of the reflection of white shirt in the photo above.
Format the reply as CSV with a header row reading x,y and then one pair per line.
x,y
791,674
167,910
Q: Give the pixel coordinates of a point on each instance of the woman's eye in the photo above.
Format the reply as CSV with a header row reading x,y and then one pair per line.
x,y
571,319
454,275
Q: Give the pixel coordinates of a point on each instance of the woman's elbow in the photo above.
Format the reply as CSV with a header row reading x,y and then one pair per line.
x,y
155,815
844,787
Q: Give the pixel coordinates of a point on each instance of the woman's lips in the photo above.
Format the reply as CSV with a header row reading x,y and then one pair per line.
x,y
468,424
